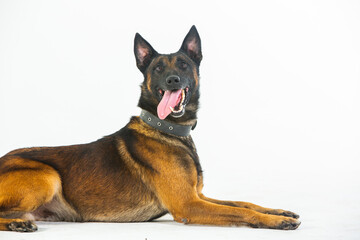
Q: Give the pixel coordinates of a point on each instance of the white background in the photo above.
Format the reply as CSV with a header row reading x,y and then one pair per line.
x,y
280,101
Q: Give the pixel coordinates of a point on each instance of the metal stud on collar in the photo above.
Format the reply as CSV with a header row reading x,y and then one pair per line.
x,y
171,128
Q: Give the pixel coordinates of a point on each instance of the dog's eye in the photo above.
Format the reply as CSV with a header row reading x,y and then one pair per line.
x,y
159,68
183,65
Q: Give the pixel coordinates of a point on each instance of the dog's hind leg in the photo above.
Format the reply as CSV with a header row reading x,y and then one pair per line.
x,y
25,185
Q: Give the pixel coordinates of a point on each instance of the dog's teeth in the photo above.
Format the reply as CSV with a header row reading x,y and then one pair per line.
x,y
180,108
174,111
182,97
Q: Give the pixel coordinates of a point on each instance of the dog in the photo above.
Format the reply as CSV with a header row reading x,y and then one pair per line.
x,y
147,169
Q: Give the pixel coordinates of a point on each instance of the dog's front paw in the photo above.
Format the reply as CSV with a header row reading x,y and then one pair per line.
x,y
290,214
22,226
280,222
283,213
288,224
276,222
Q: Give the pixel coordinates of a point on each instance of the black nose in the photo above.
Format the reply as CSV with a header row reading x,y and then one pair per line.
x,y
172,81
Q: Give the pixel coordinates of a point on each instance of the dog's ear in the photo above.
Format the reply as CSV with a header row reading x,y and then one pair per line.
x,y
144,52
192,45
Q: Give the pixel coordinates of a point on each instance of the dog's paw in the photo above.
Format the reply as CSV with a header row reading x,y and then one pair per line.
x,y
290,214
283,213
276,222
289,224
22,226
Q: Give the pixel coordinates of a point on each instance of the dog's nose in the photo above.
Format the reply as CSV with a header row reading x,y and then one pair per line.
x,y
172,81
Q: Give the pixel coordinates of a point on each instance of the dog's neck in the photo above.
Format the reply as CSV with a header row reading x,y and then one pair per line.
x,y
166,126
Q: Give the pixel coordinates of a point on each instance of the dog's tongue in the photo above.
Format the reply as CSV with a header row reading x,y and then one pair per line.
x,y
170,99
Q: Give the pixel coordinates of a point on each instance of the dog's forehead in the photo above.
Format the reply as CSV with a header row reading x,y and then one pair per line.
x,y
170,60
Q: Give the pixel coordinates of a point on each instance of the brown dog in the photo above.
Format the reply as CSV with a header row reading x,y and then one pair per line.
x,y
147,169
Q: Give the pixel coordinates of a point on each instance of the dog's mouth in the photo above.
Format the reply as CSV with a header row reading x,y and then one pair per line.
x,y
172,102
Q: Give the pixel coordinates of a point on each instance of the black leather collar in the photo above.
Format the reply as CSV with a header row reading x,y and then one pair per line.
x,y
165,126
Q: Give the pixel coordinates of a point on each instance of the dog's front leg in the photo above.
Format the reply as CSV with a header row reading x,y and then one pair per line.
x,y
203,212
251,206
176,189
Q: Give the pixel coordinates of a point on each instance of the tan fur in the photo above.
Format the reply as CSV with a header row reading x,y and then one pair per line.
x,y
148,77
28,186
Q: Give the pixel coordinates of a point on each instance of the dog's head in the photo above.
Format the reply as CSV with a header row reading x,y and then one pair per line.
x,y
171,81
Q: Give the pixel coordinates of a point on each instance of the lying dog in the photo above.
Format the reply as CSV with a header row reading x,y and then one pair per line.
x,y
147,169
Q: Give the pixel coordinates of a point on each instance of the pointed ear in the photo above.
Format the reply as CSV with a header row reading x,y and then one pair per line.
x,y
192,45
144,52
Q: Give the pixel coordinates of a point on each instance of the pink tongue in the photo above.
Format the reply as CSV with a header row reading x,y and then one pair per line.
x,y
170,99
